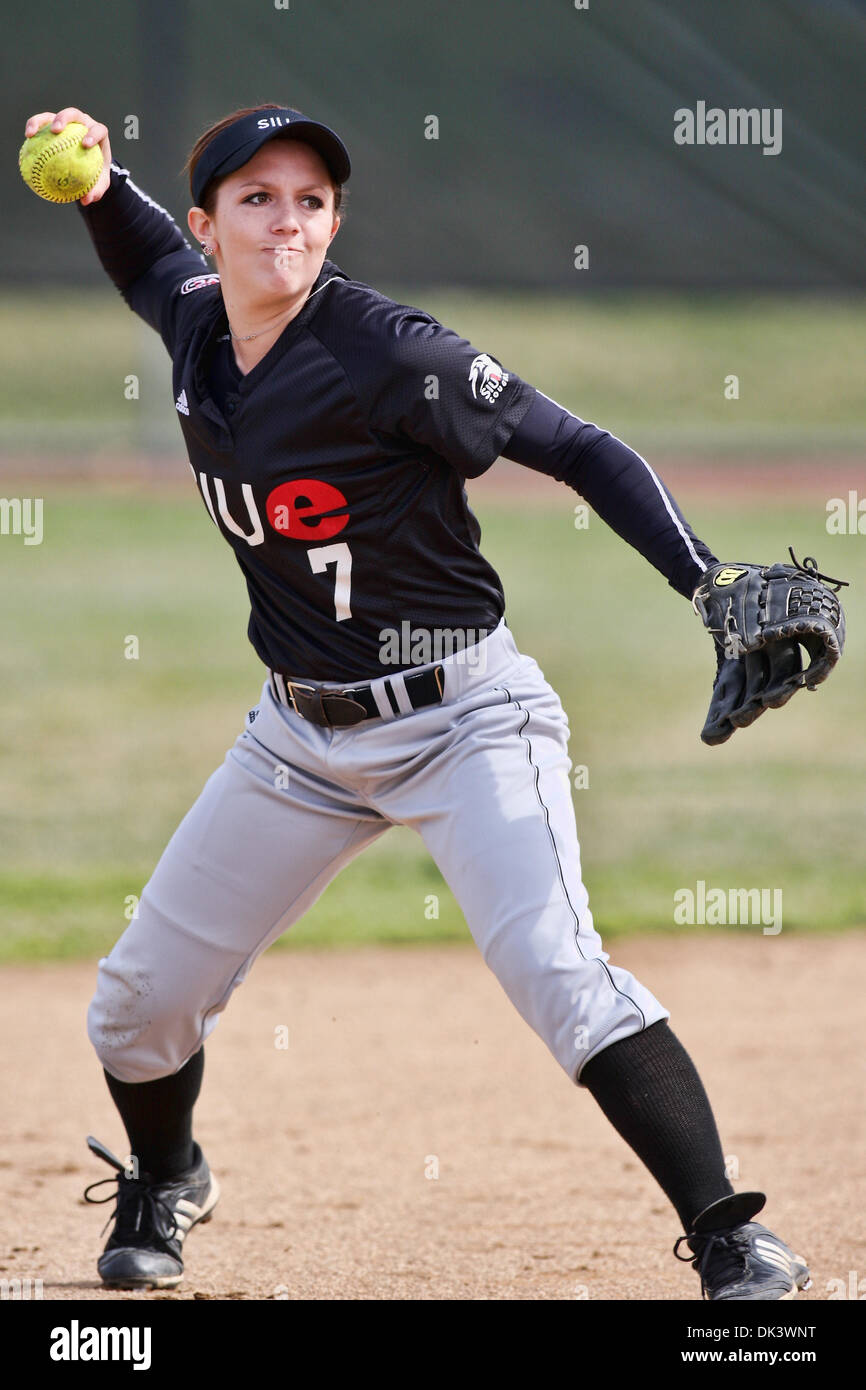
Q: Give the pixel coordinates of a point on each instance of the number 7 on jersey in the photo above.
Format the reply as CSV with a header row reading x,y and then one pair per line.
x,y
341,556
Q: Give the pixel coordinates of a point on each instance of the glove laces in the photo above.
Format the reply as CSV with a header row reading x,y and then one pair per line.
x,y
810,567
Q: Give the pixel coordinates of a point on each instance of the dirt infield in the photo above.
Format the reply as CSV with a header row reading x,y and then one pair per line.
x,y
399,1060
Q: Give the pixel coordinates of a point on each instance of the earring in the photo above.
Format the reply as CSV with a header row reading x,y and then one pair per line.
x,y
206,249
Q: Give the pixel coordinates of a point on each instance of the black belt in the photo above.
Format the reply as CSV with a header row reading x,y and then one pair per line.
x,y
338,708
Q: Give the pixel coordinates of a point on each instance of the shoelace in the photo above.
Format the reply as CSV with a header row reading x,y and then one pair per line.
x,y
733,1245
134,1196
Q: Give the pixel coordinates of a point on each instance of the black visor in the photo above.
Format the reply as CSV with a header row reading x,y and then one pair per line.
x,y
237,144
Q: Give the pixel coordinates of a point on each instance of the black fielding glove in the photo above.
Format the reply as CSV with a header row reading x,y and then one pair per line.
x,y
759,617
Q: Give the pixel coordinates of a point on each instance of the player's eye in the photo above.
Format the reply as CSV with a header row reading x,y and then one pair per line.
x,y
308,198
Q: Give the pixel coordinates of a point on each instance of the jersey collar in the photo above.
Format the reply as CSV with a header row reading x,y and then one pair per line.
x,y
216,324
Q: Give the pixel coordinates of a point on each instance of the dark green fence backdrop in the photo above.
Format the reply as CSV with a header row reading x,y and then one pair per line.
x,y
556,129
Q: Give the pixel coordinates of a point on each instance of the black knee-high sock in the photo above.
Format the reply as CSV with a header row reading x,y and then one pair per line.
x,y
648,1088
157,1116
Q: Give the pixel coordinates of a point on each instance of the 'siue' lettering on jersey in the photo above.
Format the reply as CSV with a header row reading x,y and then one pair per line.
x,y
336,470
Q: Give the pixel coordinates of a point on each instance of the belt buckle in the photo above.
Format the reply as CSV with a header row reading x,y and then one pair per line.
x,y
290,687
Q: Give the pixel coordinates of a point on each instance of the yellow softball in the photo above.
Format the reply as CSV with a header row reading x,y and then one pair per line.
x,y
56,165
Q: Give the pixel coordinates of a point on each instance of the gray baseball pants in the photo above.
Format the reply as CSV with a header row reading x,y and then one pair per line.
x,y
484,780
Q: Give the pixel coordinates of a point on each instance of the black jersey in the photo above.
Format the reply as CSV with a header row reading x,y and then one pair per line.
x,y
335,468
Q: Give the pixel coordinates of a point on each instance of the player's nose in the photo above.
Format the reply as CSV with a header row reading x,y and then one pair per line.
x,y
285,216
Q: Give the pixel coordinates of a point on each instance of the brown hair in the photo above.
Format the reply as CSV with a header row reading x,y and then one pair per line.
x,y
208,200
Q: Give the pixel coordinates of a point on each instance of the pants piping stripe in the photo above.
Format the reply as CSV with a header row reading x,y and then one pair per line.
x,y
535,768
541,803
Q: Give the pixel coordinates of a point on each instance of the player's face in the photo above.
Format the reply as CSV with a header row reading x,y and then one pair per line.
x,y
273,222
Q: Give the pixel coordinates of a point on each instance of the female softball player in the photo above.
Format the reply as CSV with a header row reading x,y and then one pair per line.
x,y
330,431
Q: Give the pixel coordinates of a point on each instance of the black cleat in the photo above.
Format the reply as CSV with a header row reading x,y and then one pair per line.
x,y
743,1260
151,1221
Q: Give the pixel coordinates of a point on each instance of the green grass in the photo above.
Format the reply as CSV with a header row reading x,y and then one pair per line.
x,y
101,756
651,368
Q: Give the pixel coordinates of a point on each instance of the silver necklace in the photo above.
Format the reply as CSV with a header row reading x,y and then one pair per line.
x,y
249,336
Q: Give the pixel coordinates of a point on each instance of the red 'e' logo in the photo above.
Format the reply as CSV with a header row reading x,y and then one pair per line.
x,y
298,510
